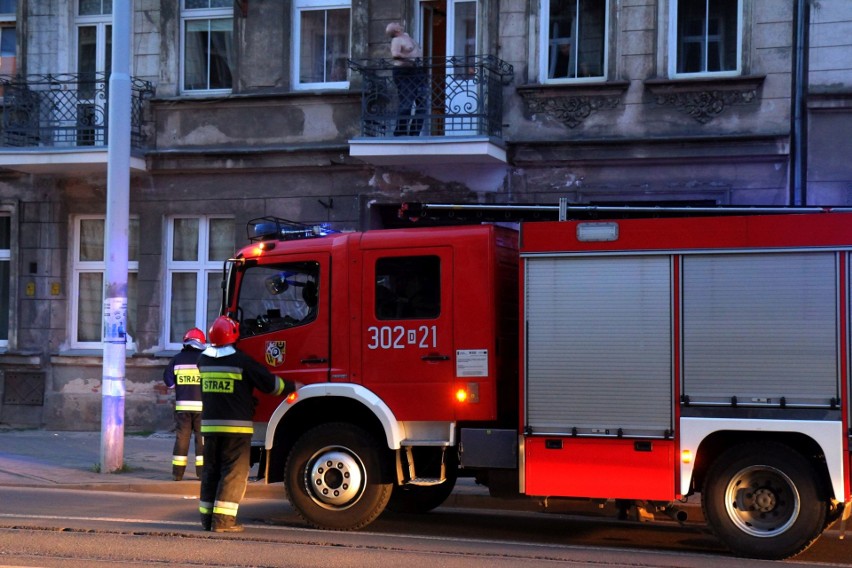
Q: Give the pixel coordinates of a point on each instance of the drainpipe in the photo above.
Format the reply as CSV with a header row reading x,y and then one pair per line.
x,y
798,114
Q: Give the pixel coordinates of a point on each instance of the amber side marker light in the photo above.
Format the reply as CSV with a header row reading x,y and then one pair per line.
x,y
686,456
469,393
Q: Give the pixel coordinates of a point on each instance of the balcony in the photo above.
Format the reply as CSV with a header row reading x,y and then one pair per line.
x,y
59,123
444,110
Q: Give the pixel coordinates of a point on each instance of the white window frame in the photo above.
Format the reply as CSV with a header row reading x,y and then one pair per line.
x,y
79,267
544,47
202,267
196,14
673,45
300,6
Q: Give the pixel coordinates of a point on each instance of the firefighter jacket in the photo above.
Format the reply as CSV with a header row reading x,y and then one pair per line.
x,y
181,374
228,379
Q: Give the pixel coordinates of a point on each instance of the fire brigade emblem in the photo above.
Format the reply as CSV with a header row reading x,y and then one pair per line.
x,y
275,351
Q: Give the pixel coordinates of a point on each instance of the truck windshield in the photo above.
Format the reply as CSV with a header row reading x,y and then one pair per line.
x,y
278,296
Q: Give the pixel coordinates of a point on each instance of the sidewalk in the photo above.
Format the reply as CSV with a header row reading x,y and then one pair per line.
x,y
70,460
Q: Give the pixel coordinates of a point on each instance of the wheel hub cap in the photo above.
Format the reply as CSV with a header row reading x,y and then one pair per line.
x,y
335,478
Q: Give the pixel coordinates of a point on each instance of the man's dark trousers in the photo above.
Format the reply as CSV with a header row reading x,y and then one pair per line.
x,y
223,481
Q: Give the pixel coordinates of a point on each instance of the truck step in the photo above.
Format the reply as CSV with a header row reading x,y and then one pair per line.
x,y
426,481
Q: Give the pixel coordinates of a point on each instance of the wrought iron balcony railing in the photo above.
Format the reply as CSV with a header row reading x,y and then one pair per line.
x,y
64,110
437,96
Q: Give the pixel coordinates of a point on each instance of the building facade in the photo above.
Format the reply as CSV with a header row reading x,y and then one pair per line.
x,y
295,109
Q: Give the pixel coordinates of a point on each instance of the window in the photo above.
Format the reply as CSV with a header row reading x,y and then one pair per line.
x,y
94,63
197,249
408,287
279,297
708,35
5,275
573,44
8,38
321,43
207,28
87,292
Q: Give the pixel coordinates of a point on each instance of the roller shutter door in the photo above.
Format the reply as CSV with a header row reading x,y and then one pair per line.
x,y
598,345
760,327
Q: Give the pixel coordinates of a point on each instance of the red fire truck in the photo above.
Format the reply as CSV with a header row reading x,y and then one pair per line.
x,y
630,360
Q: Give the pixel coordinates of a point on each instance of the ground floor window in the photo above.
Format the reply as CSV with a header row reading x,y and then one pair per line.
x,y
87,294
197,248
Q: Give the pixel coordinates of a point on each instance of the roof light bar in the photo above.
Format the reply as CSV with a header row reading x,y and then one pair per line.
x,y
275,228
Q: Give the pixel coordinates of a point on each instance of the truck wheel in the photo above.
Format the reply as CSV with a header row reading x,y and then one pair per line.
x,y
762,501
335,477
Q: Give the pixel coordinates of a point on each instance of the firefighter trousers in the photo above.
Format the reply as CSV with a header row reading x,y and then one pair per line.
x,y
187,427
224,479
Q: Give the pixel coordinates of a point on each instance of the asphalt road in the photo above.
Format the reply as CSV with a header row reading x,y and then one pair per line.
x,y
49,527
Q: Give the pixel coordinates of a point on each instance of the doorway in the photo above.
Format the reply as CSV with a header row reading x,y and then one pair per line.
x,y
448,35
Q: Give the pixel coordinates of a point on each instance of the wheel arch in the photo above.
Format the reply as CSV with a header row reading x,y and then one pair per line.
x,y
819,442
322,403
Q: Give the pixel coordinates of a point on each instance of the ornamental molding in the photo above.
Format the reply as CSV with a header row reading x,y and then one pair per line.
x,y
572,105
705,99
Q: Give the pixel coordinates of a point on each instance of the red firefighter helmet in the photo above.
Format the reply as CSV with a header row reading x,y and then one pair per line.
x,y
194,338
224,331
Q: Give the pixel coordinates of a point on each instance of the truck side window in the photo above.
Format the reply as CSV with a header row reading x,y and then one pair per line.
x,y
408,287
277,297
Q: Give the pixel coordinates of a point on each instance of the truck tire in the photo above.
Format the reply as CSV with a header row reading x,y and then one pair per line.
x,y
416,499
336,477
762,500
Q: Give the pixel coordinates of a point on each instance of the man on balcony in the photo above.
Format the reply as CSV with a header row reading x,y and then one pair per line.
x,y
410,79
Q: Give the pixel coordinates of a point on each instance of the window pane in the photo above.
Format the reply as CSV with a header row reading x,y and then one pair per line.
x,y
221,48
183,305
8,62
185,246
8,6
214,296
132,296
5,233
408,287
91,240
337,52
4,300
95,7
208,54
465,29
324,45
195,56
707,35
221,239
577,35
8,37
90,307
133,240
279,297
203,4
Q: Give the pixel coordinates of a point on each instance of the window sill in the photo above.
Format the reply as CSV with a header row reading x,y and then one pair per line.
x,y
738,83
94,357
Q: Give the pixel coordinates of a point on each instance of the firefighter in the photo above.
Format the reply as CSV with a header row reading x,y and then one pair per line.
x,y
181,374
228,377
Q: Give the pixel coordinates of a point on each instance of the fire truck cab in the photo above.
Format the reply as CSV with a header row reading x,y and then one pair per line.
x,y
637,360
